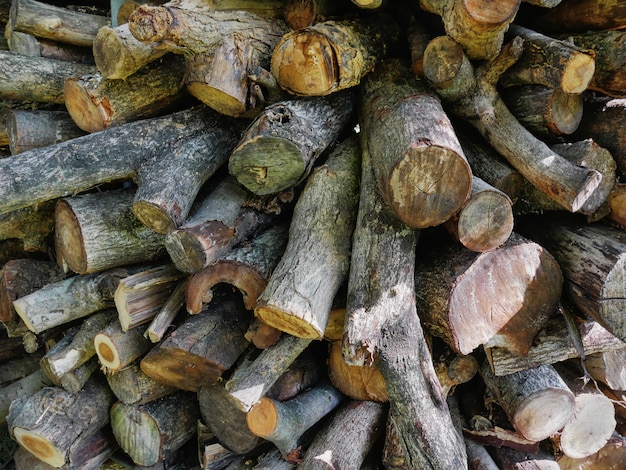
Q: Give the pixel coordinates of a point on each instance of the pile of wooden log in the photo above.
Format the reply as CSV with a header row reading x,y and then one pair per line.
x,y
307,234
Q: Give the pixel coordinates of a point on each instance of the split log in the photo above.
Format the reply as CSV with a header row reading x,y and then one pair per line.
x,y
246,267
472,95
117,349
280,147
284,423
299,295
478,27
76,417
591,257
97,231
417,158
132,386
168,312
39,128
96,103
72,166
28,385
199,350
333,55
581,15
507,308
149,433
550,62
537,401
54,22
37,79
381,321
220,221
454,369
224,47
61,302
303,13
611,456
485,221
344,441
140,296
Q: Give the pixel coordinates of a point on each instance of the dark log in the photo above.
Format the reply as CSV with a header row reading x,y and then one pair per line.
x,y
300,292
117,349
332,55
132,386
303,13
22,387
282,144
29,45
581,15
28,229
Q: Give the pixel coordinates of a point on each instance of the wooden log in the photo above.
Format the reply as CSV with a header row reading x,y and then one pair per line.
x,y
610,456
39,128
74,380
511,459
333,55
97,231
589,256
37,79
117,349
471,94
77,417
140,296
246,267
299,295
261,334
55,22
418,161
76,297
381,321
96,103
581,15
284,423
220,221
344,441
19,367
485,221
457,303
72,166
32,46
148,433
478,27
280,147
22,387
303,13
608,367
28,229
198,351
537,401
132,386
168,312
273,460
550,62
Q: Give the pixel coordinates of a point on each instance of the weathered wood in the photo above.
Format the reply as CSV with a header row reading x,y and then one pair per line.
x,y
22,387
117,349
537,401
97,231
19,367
417,158
332,55
581,15
148,433
282,144
471,94
76,417
608,368
168,312
299,295
507,308
133,386
28,229
32,46
611,456
199,350
511,459
302,13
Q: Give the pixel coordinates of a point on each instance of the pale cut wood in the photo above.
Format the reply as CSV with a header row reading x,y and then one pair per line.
x,y
165,316
132,386
610,457
28,228
302,13
32,46
608,367
117,349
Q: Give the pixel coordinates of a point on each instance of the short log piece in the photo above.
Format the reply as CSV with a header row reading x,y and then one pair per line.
x,y
117,349
132,386
608,367
512,459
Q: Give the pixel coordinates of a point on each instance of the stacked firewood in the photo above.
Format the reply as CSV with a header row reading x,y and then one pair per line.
x,y
310,234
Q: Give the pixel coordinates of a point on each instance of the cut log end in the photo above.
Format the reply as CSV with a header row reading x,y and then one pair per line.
x,y
107,353
39,446
487,222
154,217
150,23
290,324
578,74
544,413
492,13
217,99
87,114
68,238
186,251
262,419
107,54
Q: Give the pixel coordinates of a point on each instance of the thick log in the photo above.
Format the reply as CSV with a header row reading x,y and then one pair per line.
x,y
478,27
507,308
300,292
344,441
280,147
149,433
39,128
76,417
537,401
381,321
114,154
608,367
550,62
60,302
165,316
97,231
39,79
581,15
333,55
471,94
417,158
220,221
28,229
57,23
198,351
132,386
485,221
96,103
139,297
284,423
591,257
246,267
117,349
22,387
